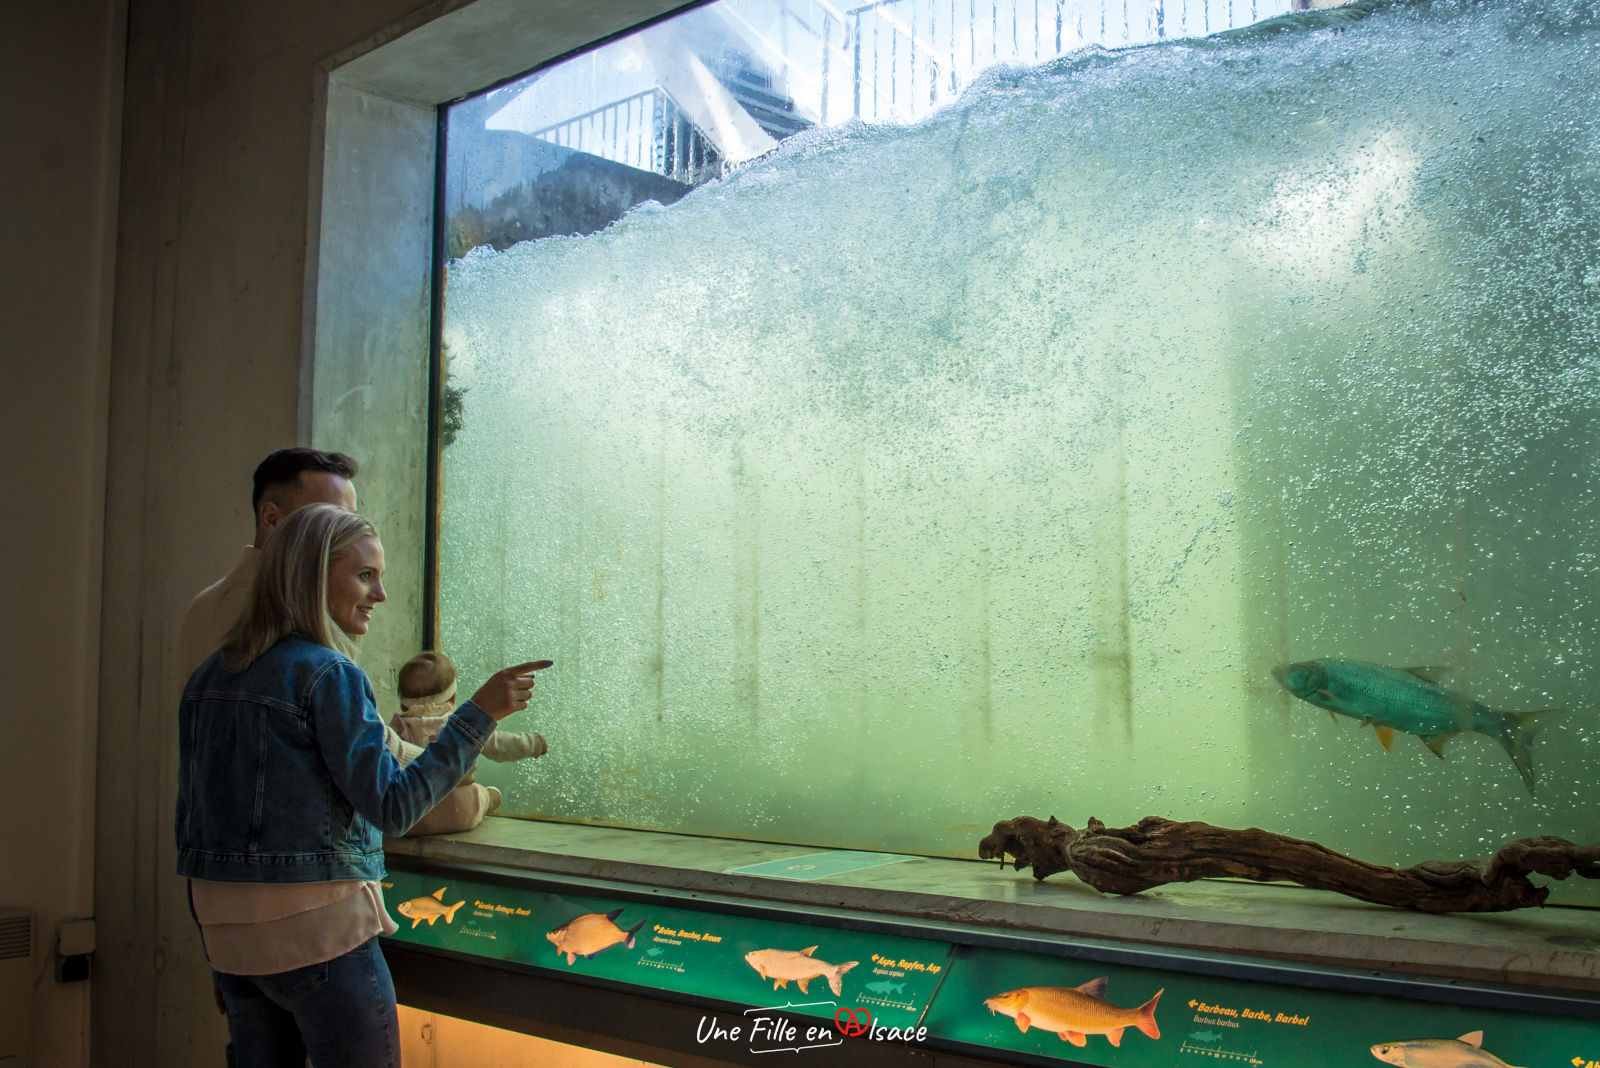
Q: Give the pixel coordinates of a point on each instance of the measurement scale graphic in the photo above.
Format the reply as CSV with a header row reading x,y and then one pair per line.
x,y
1218,1053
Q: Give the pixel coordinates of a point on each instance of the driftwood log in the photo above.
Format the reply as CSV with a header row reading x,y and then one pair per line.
x,y
1126,860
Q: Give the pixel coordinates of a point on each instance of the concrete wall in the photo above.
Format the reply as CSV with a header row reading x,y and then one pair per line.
x,y
60,106
253,233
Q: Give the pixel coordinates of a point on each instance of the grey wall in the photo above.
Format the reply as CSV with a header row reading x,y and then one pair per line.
x,y
60,101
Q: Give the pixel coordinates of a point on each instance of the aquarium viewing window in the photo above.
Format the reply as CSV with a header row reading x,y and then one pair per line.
x,y
899,417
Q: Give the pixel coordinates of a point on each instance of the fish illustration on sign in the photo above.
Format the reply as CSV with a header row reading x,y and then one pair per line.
x,y
884,987
1207,1037
654,951
1411,701
586,935
1464,1052
428,907
1074,1012
784,965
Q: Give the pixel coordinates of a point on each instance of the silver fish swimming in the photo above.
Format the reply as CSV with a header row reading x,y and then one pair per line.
x,y
1411,701
1464,1052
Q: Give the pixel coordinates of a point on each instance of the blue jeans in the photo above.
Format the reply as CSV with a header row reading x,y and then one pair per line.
x,y
340,1012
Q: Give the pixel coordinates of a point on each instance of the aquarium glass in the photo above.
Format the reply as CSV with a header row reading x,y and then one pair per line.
x,y
907,468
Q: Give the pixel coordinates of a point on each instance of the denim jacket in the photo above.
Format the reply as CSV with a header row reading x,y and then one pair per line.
x,y
283,774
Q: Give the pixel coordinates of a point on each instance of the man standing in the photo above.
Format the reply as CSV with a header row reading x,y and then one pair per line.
x,y
286,480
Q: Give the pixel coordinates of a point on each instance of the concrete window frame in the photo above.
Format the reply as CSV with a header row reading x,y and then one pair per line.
x,y
367,325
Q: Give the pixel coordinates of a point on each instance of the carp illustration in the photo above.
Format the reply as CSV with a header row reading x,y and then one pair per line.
x,y
1075,1012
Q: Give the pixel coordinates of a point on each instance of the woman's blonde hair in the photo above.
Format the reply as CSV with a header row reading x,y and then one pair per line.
x,y
290,592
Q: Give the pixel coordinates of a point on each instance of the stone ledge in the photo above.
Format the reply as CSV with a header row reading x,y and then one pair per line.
x,y
1552,948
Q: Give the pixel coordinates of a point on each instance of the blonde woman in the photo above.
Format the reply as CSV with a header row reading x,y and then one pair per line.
x,y
285,787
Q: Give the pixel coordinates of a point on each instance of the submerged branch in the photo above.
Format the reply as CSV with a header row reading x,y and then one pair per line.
x,y
1126,860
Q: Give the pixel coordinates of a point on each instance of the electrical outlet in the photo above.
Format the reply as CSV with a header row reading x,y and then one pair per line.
x,y
75,941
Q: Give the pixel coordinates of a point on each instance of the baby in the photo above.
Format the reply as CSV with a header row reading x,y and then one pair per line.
x,y
427,685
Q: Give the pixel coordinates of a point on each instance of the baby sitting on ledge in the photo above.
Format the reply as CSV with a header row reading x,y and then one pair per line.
x,y
427,685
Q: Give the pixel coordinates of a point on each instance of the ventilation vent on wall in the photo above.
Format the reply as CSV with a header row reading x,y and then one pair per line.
x,y
16,987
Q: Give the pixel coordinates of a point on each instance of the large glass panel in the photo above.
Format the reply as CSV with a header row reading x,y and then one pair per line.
x,y
870,481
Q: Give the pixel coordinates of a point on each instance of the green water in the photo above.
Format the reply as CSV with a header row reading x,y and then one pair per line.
x,y
915,478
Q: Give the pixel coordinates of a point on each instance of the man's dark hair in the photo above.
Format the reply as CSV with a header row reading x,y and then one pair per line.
x,y
283,468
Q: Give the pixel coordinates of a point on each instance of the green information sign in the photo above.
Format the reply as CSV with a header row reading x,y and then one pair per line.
x,y
888,987
1092,1013
801,969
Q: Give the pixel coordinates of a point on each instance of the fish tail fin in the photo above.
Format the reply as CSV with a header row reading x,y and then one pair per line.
x,y
1147,1015
1517,739
633,931
836,977
450,913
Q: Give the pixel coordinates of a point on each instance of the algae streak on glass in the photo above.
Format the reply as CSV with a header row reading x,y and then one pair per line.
x,y
1411,701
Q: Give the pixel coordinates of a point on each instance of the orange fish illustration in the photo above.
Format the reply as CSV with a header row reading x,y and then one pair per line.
x,y
588,934
428,907
783,965
1075,1012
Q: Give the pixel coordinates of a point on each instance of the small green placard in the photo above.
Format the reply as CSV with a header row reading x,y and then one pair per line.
x,y
819,865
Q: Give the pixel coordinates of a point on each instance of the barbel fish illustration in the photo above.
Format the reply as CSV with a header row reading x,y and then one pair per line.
x,y
885,987
784,965
586,935
1411,701
1206,1036
428,907
1075,1012
1464,1052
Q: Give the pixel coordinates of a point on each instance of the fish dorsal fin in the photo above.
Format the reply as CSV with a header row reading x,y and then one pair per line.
x,y
438,895
1436,742
1386,736
1428,672
1473,1039
613,914
808,951
1095,988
